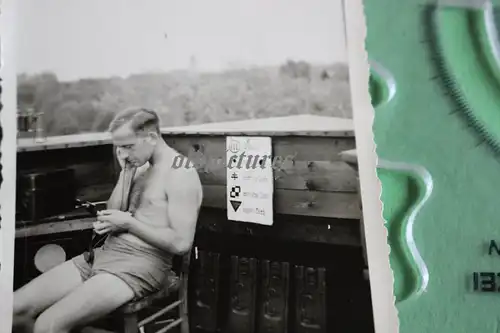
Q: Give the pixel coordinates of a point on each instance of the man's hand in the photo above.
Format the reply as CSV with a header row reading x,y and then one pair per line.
x,y
102,228
111,220
120,156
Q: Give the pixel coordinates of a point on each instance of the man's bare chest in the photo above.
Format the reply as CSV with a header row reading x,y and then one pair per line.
x,y
148,190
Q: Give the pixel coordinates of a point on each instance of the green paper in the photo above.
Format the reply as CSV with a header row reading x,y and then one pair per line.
x,y
437,131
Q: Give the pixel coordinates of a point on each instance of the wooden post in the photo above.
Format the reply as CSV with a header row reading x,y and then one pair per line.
x,y
350,157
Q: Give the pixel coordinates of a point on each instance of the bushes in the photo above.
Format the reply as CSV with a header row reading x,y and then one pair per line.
x,y
184,98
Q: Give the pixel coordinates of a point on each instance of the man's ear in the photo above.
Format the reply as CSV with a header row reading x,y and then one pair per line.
x,y
153,137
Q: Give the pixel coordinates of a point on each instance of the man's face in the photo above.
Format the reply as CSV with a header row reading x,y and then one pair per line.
x,y
136,149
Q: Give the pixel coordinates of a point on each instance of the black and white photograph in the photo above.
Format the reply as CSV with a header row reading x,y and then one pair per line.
x,y
186,166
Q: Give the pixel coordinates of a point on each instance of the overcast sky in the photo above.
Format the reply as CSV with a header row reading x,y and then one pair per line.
x,y
100,38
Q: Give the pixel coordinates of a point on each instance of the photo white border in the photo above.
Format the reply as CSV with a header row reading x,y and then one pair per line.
x,y
9,154
381,277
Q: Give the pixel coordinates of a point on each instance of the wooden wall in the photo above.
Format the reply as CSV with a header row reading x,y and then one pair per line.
x,y
316,183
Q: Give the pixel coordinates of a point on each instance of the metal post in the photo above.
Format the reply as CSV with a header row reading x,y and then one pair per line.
x,y
39,131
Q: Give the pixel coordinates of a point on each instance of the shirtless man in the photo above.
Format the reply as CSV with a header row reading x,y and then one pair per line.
x,y
136,257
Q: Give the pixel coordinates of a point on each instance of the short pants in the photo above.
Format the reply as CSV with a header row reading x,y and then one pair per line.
x,y
144,270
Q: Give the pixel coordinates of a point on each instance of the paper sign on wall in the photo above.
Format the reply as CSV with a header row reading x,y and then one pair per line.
x,y
250,182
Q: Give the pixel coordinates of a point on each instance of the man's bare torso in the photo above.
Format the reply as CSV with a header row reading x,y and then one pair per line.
x,y
148,198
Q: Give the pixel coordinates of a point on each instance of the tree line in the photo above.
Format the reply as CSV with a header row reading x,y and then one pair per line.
x,y
186,98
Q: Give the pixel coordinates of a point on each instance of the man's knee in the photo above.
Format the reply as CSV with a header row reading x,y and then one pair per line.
x,y
46,323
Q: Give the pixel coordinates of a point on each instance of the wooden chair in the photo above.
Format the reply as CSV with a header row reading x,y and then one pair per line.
x,y
176,285
132,315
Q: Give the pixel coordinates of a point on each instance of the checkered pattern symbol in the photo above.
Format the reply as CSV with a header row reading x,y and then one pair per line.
x,y
235,192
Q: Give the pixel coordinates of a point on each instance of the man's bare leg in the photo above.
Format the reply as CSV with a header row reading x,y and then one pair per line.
x,y
97,297
42,292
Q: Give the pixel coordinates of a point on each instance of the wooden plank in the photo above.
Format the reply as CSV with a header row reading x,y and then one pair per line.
x,y
298,125
54,227
351,158
291,202
304,124
64,157
286,227
300,175
295,202
316,162
333,231
274,134
313,149
98,139
63,142
316,176
301,148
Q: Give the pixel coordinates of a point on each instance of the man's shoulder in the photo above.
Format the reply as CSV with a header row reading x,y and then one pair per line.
x,y
184,177
185,183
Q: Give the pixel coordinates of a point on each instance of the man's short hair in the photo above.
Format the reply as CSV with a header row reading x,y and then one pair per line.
x,y
140,120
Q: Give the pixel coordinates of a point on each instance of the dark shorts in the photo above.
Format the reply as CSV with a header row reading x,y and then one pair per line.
x,y
144,270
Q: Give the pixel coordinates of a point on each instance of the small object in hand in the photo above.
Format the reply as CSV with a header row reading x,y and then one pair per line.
x,y
89,256
92,209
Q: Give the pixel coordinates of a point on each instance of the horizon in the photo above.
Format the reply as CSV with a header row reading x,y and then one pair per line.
x,y
184,71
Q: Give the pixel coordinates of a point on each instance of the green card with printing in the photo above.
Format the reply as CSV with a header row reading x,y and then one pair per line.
x,y
435,87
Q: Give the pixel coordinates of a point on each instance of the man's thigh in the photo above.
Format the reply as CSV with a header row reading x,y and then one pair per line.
x,y
46,289
95,298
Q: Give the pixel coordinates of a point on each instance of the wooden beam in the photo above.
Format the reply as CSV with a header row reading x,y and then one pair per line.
x,y
307,163
285,227
298,125
54,227
350,157
301,175
296,202
302,148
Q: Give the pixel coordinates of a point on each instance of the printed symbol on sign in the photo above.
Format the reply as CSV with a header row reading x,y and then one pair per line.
x,y
234,146
235,191
234,176
235,204
260,211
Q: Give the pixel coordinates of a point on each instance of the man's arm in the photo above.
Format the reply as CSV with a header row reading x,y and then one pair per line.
x,y
184,202
115,200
